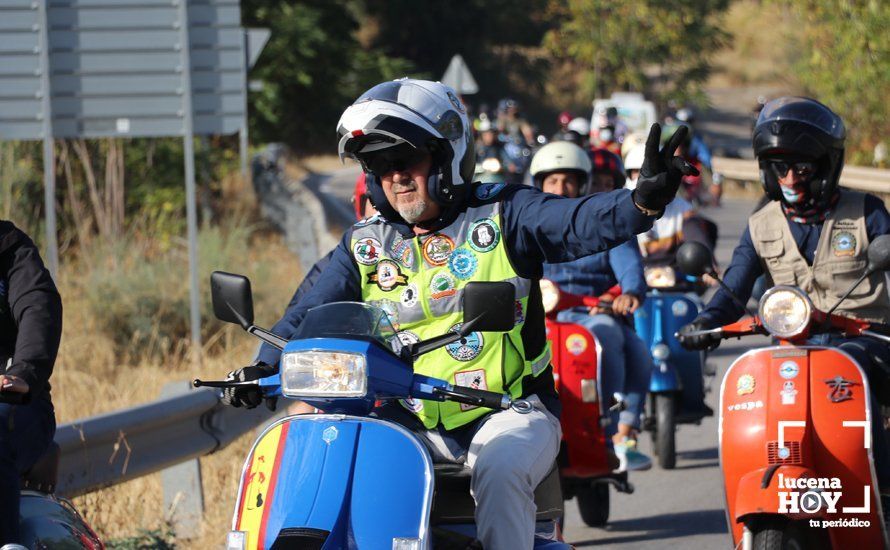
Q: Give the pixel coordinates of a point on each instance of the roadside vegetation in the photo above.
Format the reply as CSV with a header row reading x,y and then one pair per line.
x,y
123,273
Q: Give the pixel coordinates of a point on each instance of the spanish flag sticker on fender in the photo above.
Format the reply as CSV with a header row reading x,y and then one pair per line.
x,y
258,485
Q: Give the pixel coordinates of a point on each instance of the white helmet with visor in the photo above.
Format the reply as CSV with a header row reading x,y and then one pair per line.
x,y
396,122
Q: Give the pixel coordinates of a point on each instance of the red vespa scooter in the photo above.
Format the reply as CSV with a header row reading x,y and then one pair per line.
x,y
795,425
583,462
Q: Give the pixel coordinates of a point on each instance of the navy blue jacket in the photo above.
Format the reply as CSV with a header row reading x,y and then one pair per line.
x,y
746,267
538,228
595,274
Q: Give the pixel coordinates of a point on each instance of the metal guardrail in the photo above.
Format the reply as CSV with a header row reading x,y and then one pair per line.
x,y
112,448
872,180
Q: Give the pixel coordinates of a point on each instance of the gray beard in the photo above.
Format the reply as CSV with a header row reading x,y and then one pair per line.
x,y
412,213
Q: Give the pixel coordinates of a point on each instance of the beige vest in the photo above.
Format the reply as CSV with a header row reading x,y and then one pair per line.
x,y
839,261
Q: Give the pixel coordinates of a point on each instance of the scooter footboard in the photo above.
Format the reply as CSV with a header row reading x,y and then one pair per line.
x,y
349,481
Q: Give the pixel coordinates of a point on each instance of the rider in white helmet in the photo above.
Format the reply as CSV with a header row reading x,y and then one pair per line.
x,y
438,231
564,169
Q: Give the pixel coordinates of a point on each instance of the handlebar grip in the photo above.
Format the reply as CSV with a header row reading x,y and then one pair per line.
x,y
488,399
477,398
14,398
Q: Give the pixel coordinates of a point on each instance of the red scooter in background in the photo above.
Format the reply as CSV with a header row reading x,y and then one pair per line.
x,y
795,424
584,467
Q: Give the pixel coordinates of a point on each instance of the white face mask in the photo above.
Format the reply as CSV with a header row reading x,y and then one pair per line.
x,y
631,183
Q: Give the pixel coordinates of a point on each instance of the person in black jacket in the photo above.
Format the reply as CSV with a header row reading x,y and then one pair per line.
x,y
30,330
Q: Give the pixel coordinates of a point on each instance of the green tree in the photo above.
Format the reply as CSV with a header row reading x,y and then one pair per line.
x,y
312,68
499,39
662,48
847,66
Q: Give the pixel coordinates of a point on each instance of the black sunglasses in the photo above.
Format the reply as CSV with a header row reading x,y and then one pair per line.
x,y
393,159
804,169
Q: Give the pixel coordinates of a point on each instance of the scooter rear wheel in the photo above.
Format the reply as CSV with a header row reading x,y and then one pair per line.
x,y
593,503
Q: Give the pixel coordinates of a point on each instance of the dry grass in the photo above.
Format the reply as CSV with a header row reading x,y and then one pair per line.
x,y
89,380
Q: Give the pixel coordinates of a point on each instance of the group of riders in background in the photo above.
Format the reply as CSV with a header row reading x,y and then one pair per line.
x,y
506,143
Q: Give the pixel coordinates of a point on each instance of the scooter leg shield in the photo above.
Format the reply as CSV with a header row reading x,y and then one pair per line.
x,y
335,478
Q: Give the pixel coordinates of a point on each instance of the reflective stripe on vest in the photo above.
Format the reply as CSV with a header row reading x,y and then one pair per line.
x,y
419,283
839,261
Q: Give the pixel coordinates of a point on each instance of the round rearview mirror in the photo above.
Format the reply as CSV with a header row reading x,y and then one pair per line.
x,y
694,259
879,254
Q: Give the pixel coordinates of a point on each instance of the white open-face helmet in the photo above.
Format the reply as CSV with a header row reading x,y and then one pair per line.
x,y
634,161
394,119
561,156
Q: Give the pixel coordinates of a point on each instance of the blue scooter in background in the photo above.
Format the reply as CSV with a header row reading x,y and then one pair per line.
x,y
677,388
345,480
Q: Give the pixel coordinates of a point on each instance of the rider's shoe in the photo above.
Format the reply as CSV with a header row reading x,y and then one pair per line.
x,y
630,458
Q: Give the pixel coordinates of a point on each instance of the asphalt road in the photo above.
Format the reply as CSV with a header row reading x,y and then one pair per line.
x,y
682,507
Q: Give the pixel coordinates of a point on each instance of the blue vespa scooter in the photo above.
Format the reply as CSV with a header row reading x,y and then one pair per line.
x,y
343,479
677,386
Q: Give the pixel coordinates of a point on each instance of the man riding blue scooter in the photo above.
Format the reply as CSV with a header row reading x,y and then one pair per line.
x,y
437,232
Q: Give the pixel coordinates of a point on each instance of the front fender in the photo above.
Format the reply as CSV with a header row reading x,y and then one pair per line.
x,y
753,498
664,378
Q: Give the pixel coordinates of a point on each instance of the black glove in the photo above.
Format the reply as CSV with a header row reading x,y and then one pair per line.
x,y
698,341
661,172
248,396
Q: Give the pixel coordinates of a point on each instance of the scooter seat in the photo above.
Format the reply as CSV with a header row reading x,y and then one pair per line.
x,y
43,475
453,503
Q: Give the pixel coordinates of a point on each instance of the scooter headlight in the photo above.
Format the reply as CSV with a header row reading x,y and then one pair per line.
x,y
549,295
785,311
323,374
660,277
492,165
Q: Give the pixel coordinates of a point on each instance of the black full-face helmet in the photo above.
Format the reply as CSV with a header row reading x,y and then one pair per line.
x,y
800,128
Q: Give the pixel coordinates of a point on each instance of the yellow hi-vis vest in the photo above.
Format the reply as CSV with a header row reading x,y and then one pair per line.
x,y
419,283
839,261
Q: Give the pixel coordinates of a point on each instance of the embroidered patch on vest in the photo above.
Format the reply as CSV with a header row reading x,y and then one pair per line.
x,y
403,252
489,190
484,235
463,263
409,296
442,286
437,249
367,251
387,276
472,379
843,243
467,348
518,316
390,308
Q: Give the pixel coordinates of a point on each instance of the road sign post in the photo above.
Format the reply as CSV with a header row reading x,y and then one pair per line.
x,y
125,68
